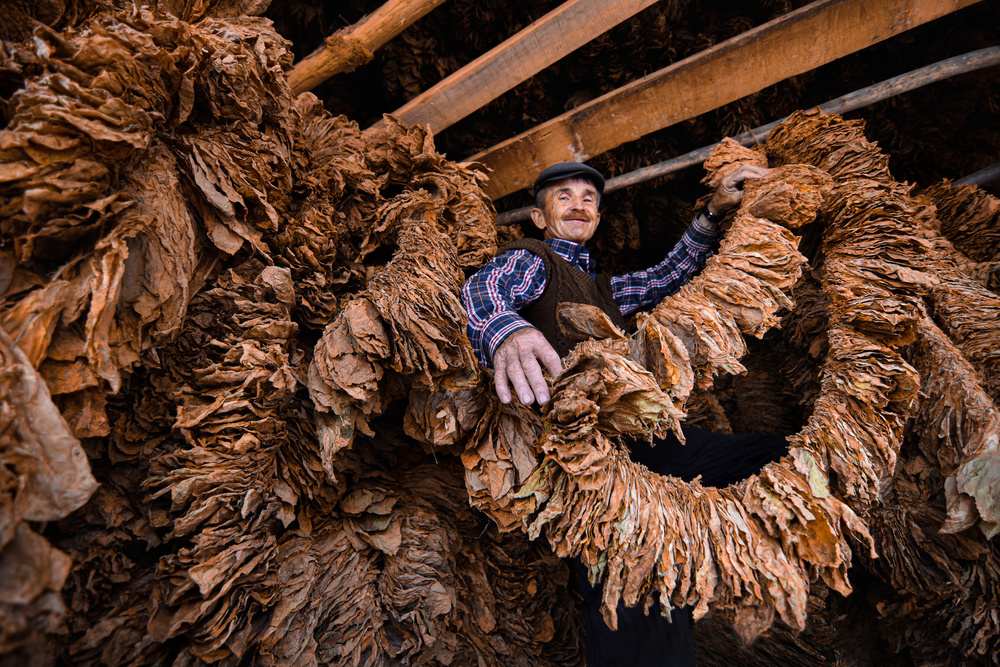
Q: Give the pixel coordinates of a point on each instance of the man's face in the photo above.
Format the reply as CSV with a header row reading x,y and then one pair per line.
x,y
570,211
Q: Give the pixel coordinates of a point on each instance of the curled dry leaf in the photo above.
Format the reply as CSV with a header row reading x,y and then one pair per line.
x,y
959,429
46,477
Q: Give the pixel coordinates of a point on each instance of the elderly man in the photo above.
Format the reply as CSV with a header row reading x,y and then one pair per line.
x,y
512,326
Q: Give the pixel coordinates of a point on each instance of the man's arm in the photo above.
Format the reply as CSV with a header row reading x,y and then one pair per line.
x,y
644,288
502,338
638,289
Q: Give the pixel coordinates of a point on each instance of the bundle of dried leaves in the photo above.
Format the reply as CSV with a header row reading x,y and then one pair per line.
x,y
229,296
883,264
179,232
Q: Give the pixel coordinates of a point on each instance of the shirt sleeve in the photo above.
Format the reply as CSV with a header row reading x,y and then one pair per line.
x,y
494,294
635,290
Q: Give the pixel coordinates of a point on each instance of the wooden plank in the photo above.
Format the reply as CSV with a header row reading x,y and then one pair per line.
x,y
800,41
352,46
939,71
560,32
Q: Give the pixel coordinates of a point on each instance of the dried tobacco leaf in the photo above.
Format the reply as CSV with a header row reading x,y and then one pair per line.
x,y
46,476
959,427
969,313
33,575
968,217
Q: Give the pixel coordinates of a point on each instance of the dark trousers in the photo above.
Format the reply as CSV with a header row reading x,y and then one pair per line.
x,y
653,641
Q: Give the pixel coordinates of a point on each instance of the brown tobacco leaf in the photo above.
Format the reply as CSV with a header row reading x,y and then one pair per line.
x,y
969,313
704,410
32,574
857,421
447,416
46,477
873,266
938,602
789,195
580,321
695,546
179,232
873,273
409,320
601,394
741,288
88,123
663,354
626,398
125,264
827,141
959,427
47,472
968,217
213,484
500,457
417,295
191,12
49,190
218,534
345,375
880,267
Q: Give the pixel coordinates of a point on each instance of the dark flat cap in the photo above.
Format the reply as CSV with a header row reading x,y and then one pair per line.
x,y
561,170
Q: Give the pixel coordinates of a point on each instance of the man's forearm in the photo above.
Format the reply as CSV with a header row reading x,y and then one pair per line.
x,y
644,288
494,333
492,296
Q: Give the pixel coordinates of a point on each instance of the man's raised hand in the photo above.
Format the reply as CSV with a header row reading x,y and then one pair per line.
x,y
730,191
519,359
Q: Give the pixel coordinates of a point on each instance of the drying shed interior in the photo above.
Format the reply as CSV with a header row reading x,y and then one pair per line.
x,y
241,420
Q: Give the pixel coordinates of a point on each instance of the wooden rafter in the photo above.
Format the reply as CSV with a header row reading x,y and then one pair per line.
x,y
563,30
352,46
800,41
963,64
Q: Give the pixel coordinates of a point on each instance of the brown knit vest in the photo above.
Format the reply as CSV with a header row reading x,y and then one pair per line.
x,y
564,284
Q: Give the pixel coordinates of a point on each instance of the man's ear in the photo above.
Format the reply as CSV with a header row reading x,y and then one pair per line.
x,y
538,217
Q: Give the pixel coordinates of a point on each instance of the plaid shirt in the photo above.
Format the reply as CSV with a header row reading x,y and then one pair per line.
x,y
514,279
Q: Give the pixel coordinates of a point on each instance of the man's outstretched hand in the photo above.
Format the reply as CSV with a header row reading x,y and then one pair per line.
x,y
519,359
730,191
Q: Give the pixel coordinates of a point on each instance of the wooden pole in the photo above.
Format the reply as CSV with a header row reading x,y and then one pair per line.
x,y
800,41
986,176
968,62
352,46
560,32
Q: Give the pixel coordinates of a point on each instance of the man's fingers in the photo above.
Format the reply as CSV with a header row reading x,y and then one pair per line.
x,y
739,175
549,357
500,382
519,360
516,375
533,374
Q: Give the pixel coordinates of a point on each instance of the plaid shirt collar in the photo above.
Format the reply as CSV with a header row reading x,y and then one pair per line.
x,y
574,253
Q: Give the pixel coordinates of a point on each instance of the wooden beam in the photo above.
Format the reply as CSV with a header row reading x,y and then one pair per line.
x,y
352,46
800,41
560,32
986,176
897,85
